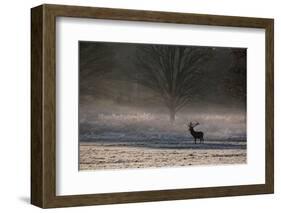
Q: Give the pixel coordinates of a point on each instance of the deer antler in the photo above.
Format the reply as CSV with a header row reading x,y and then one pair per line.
x,y
191,124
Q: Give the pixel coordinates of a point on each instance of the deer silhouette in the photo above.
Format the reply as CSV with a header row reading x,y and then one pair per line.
x,y
196,135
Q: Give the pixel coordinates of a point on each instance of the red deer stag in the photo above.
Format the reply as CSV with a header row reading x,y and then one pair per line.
x,y
196,135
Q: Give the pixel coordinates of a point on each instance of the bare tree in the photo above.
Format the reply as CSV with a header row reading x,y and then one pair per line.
x,y
236,80
95,62
172,72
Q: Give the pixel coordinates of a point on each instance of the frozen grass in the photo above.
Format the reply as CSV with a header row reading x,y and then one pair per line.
x,y
112,156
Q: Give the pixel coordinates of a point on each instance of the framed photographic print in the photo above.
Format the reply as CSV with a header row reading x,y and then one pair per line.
x,y
137,106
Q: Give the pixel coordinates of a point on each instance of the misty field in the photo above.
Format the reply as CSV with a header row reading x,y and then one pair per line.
x,y
104,120
131,138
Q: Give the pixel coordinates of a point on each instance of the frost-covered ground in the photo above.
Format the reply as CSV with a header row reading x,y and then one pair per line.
x,y
101,155
113,136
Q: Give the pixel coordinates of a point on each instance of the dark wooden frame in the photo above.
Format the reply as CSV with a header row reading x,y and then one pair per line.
x,y
43,106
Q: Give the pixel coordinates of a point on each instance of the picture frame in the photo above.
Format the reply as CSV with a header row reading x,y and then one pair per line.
x,y
43,106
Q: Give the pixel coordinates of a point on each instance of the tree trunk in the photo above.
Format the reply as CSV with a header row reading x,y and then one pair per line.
x,y
172,115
